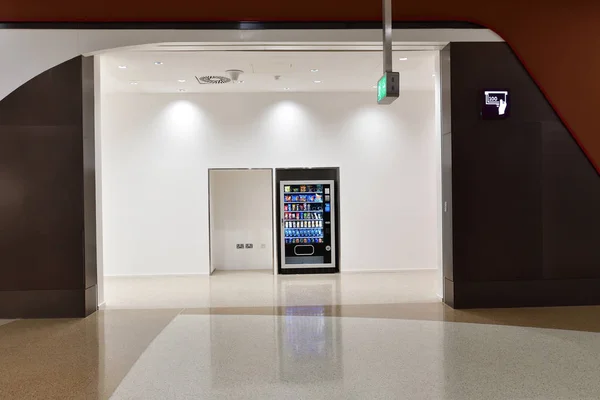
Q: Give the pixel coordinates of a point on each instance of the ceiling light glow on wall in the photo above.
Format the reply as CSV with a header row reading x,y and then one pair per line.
x,y
122,66
182,90
286,88
158,63
317,81
133,83
181,80
403,58
314,70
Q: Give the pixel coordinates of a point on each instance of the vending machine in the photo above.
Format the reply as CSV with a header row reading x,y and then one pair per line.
x,y
307,210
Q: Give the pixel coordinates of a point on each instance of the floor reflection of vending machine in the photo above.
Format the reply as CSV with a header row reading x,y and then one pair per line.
x,y
307,210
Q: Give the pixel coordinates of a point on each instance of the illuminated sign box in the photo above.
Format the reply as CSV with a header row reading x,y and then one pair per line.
x,y
495,104
388,88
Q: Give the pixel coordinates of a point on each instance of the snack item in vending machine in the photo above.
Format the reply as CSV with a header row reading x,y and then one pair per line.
x,y
285,207
287,189
303,188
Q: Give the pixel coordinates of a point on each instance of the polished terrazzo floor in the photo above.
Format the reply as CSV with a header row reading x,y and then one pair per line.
x,y
329,349
263,289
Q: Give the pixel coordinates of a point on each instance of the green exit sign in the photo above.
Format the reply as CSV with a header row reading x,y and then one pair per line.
x,y
388,88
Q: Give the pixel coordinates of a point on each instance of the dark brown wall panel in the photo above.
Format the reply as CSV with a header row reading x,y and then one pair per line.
x,y
496,190
40,208
570,208
525,197
42,199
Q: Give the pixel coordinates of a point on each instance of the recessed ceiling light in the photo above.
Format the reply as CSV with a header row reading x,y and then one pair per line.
x,y
122,66
286,88
133,83
314,70
403,58
158,63
182,90
181,80
317,81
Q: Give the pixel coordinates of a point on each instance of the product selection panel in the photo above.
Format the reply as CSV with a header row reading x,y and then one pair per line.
x,y
308,224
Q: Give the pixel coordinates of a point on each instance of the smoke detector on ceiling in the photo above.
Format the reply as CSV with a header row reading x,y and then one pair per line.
x,y
234,74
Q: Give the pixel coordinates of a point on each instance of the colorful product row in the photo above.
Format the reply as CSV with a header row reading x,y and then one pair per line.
x,y
304,198
307,215
303,207
304,188
304,224
304,240
303,233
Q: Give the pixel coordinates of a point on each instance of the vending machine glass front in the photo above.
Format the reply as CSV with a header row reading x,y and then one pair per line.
x,y
308,229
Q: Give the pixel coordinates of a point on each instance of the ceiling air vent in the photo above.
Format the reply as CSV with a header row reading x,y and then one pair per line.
x,y
212,80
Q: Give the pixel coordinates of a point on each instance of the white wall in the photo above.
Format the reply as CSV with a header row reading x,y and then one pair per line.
x,y
156,150
241,212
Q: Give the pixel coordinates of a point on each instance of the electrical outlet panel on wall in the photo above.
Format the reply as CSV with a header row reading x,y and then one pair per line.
x,y
239,246
249,246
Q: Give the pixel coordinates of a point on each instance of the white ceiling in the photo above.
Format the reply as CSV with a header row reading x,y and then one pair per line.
x,y
338,71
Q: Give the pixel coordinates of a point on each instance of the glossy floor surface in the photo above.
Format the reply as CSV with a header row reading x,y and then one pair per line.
x,y
328,349
263,289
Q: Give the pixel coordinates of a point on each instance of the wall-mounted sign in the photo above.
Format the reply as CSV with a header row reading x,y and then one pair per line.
x,y
495,104
388,88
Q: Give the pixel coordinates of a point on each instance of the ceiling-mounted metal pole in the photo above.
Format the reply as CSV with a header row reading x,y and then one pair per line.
x,y
387,36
